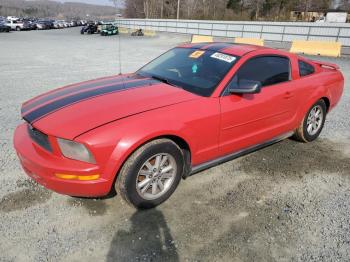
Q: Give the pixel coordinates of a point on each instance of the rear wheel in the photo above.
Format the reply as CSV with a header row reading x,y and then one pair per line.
x,y
151,174
18,28
313,123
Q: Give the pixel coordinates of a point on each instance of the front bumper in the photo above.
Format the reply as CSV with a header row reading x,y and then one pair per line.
x,y
42,166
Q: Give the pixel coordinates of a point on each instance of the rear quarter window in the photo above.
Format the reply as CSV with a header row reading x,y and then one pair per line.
x,y
305,68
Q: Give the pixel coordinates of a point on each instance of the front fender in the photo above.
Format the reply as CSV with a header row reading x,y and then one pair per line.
x,y
112,144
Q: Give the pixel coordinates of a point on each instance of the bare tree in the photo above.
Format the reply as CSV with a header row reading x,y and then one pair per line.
x,y
276,10
51,9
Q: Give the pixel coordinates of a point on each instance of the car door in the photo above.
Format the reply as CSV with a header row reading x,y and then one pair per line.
x,y
250,119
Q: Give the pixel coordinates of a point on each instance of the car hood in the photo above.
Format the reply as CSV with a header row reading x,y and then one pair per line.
x,y
72,110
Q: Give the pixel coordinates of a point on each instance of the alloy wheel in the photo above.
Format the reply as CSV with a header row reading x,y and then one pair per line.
x,y
314,120
156,176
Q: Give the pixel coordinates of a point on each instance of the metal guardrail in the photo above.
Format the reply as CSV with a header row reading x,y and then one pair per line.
x,y
270,31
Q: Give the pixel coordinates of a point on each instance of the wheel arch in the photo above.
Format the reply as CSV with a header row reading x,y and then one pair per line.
x,y
177,139
316,97
327,102
305,108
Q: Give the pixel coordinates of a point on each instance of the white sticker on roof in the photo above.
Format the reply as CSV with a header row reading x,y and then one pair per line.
x,y
223,57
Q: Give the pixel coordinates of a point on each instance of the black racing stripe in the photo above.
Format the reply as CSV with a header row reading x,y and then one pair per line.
x,y
219,46
69,90
55,105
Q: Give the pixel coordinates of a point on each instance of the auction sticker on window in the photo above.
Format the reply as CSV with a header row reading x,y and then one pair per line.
x,y
223,57
196,54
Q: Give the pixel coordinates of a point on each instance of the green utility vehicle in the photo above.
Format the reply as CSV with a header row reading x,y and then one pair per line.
x,y
109,29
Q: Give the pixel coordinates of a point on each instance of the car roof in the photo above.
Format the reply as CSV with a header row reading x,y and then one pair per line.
x,y
225,47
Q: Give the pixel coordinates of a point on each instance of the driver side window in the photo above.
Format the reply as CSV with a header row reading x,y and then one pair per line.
x,y
268,70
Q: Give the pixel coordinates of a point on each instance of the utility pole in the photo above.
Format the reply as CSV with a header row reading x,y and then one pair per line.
x,y
162,10
178,10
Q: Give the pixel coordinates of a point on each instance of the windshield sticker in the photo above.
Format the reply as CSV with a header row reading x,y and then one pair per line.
x,y
223,57
196,54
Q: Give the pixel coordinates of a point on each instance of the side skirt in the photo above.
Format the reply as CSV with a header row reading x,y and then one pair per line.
x,y
223,159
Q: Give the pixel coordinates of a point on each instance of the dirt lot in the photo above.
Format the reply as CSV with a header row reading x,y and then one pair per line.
x,y
287,202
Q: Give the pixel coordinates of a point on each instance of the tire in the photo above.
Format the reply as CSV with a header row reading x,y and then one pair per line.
x,y
18,28
312,125
140,168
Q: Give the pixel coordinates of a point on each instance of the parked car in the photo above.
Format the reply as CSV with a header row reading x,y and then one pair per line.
x,y
4,27
18,25
41,25
193,107
100,25
109,29
32,25
49,23
58,24
66,24
89,29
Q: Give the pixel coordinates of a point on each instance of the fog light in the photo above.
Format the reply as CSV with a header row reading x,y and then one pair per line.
x,y
76,177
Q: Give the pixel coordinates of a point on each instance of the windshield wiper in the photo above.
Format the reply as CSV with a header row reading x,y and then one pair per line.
x,y
164,80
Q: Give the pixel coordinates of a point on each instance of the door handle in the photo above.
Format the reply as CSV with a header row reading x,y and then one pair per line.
x,y
288,95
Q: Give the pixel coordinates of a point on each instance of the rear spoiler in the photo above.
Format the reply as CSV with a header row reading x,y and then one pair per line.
x,y
326,64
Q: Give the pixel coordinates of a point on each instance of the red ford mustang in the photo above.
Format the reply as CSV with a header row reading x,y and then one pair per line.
x,y
193,107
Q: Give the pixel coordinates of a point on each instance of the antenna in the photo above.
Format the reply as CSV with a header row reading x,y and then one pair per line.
x,y
120,57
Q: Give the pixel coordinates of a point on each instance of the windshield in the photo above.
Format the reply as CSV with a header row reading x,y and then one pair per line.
x,y
197,71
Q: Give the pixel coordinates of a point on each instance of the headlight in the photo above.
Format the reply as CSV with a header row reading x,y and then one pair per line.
x,y
75,150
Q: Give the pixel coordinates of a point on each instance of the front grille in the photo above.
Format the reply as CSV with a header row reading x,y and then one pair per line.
x,y
40,138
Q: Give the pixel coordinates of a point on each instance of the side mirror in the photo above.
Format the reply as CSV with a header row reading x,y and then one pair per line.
x,y
245,87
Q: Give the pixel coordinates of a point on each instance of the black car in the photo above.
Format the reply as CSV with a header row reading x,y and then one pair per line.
x,y
4,28
90,29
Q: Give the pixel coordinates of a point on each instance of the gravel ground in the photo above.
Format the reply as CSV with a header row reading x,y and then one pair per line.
x,y
287,202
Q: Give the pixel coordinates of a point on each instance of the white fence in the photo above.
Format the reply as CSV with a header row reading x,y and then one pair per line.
x,y
274,31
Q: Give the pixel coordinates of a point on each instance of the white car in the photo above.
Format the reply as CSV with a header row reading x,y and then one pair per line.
x,y
58,24
18,25
12,18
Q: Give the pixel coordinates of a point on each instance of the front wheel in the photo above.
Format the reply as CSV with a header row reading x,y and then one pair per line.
x,y
151,174
313,122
